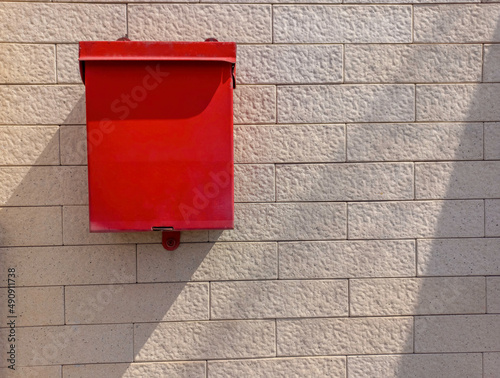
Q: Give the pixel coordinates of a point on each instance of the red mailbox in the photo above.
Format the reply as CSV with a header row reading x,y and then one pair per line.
x,y
159,134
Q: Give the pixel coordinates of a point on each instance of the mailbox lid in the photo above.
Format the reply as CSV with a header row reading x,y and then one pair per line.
x,y
139,50
155,51
151,51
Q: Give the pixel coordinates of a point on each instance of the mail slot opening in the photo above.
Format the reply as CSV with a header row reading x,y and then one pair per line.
x,y
162,229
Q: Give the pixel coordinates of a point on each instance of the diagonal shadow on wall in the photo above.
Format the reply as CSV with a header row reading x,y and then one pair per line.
x,y
453,329
44,236
109,290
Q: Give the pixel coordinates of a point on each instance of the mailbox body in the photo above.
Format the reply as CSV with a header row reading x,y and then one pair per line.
x,y
159,134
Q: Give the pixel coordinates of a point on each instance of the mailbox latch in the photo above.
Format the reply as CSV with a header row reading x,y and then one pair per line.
x,y
170,239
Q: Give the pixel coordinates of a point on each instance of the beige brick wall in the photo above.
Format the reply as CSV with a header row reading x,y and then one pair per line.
x,y
367,182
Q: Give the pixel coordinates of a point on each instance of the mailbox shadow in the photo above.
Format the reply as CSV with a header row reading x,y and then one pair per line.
x,y
29,184
449,298
170,271
33,189
160,91
18,186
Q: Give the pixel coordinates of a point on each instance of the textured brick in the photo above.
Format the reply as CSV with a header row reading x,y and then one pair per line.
x,y
39,186
29,145
417,296
151,369
76,230
286,221
33,372
458,102
278,285
278,299
74,185
492,141
30,226
271,1
289,143
254,183
345,103
412,63
457,333
120,1
346,259
491,365
27,64
68,69
72,344
342,24
492,224
73,145
493,292
344,336
479,179
172,22
410,1
344,182
458,257
63,265
30,186
204,340
136,303
462,365
491,67
207,262
34,305
255,104
49,105
413,142
31,22
313,367
289,64
456,23
422,219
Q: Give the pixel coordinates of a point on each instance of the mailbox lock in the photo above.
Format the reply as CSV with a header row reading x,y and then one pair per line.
x,y
170,240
